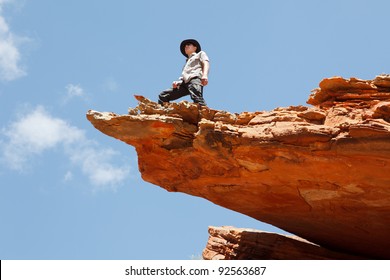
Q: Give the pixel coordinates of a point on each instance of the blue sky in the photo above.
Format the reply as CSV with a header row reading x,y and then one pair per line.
x,y
69,192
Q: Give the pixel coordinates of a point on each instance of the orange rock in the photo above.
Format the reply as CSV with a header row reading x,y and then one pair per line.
x,y
229,243
322,173
356,91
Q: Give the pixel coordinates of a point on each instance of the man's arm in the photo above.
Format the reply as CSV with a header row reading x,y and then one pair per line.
x,y
205,70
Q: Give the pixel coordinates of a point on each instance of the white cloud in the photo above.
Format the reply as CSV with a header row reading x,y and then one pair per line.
x,y
10,57
37,131
74,91
96,163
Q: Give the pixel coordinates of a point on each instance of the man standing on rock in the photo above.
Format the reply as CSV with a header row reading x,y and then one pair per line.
x,y
193,77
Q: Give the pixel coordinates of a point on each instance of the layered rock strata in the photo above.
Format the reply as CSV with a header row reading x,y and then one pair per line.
x,y
322,172
229,243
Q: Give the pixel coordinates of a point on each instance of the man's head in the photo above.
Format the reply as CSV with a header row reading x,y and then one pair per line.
x,y
189,46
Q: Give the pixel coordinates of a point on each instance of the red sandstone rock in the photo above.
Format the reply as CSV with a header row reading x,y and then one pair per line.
x,y
229,243
351,91
322,173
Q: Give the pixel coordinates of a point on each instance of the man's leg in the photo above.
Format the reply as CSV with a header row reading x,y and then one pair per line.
x,y
196,91
172,94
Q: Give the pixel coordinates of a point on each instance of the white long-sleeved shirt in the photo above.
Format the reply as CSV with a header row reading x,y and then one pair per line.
x,y
194,66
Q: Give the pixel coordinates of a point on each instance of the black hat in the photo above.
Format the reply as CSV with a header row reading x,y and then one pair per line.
x,y
189,41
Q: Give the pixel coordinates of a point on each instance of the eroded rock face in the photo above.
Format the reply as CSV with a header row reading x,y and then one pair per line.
x,y
322,173
229,243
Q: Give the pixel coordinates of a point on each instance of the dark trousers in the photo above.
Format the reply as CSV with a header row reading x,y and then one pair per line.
x,y
193,88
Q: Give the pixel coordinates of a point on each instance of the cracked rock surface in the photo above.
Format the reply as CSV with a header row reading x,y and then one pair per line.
x,y
322,172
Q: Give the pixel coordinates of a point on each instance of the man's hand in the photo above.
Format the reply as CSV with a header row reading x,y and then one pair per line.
x,y
176,84
205,70
204,81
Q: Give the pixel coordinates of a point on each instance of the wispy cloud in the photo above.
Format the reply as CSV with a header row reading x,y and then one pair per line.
x,y
96,164
37,132
74,91
34,133
10,68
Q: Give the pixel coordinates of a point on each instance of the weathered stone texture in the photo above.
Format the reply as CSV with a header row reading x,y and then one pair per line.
x,y
322,172
229,243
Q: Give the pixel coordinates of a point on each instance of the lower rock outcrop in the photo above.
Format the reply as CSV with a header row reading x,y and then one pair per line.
x,y
229,243
322,172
